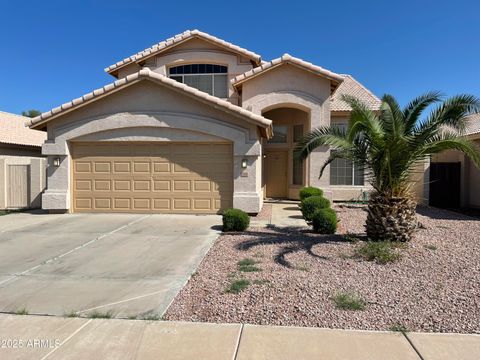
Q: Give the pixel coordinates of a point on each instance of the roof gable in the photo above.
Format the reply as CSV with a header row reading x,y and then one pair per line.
x,y
352,87
180,39
13,130
145,74
473,124
336,79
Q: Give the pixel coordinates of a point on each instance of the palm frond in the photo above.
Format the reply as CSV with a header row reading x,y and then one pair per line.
x,y
449,141
452,113
392,116
322,136
363,121
414,108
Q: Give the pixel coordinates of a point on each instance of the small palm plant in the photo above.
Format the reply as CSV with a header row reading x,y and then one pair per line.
x,y
389,144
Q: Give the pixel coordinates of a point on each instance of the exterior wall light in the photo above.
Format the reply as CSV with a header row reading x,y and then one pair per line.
x,y
56,162
244,163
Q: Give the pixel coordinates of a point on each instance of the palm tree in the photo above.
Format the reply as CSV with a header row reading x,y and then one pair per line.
x,y
389,144
31,113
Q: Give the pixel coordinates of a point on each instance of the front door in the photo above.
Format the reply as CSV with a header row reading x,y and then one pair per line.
x,y
276,174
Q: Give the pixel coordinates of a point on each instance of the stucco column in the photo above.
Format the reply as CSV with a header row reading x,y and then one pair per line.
x,y
36,182
57,195
247,193
3,190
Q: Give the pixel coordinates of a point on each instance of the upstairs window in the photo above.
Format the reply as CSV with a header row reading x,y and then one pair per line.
x,y
208,78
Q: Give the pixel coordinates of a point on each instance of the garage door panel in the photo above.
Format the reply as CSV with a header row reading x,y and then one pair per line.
x,y
83,185
202,204
122,204
102,185
164,204
122,167
181,185
102,203
141,167
162,185
122,185
83,167
163,178
162,167
83,203
141,204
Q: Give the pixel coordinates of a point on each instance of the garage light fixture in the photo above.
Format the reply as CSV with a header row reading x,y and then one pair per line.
x,y
244,163
56,162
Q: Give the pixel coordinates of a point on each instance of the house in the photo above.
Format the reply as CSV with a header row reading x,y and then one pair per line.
x,y
195,124
22,165
454,178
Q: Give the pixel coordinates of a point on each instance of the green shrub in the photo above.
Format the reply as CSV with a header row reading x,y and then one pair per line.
x,y
381,252
348,301
235,220
236,286
312,204
247,265
324,221
308,191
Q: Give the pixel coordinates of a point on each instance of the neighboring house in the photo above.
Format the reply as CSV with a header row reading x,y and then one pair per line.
x,y
195,124
22,166
454,178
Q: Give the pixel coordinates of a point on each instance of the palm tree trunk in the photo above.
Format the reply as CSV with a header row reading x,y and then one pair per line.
x,y
390,218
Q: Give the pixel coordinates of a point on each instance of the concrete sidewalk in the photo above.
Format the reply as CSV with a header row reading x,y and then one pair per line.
x,y
45,337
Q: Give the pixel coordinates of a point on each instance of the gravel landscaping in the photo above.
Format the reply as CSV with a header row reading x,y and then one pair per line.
x,y
295,277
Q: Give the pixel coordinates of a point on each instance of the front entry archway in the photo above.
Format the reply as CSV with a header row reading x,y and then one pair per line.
x,y
284,173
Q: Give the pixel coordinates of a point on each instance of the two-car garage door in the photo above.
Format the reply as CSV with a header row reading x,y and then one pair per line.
x,y
152,177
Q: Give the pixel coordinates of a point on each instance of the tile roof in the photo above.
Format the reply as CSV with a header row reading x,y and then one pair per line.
x,y
162,79
189,34
473,124
13,130
352,87
286,58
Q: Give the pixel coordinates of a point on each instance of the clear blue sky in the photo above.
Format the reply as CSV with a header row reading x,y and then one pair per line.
x,y
54,51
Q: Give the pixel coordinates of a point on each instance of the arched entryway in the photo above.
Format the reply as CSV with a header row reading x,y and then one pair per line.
x,y
283,173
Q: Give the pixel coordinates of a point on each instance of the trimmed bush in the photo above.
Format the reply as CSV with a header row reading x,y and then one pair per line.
x,y
235,220
312,204
308,191
324,221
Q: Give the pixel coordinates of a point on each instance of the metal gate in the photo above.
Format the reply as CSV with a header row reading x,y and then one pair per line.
x,y
18,186
445,185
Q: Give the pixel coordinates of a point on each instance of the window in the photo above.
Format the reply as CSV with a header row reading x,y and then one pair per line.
x,y
208,78
297,162
345,172
280,133
297,132
297,170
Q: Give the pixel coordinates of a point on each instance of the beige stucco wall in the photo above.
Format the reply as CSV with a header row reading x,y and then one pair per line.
x,y
37,173
146,111
290,87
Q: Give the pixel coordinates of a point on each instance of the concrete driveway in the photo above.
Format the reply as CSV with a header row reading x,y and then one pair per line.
x,y
129,265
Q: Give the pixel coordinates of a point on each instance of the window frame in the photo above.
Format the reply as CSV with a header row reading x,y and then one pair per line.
x,y
354,166
210,74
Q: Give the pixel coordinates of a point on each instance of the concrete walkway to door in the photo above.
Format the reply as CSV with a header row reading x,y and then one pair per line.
x,y
284,213
79,338
123,265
